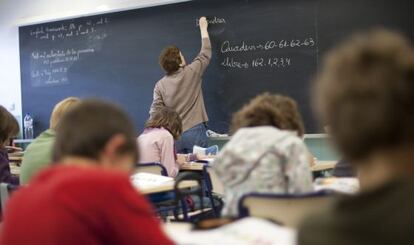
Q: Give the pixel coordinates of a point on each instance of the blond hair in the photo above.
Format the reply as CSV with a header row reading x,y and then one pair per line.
x,y
60,109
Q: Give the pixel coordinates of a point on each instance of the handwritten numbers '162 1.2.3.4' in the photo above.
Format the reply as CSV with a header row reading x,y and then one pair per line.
x,y
271,62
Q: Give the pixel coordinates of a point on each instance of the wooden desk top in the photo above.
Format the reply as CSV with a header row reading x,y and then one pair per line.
x,y
192,166
165,187
14,169
323,165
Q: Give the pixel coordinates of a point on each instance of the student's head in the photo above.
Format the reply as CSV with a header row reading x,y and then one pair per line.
x,y
9,127
365,91
269,110
60,109
171,59
99,132
167,118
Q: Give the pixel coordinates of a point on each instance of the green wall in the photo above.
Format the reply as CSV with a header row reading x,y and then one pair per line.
x,y
321,149
318,144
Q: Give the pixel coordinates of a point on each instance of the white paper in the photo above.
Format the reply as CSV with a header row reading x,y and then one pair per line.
x,y
143,180
248,231
343,185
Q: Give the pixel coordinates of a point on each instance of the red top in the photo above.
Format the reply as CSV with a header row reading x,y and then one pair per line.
x,y
75,205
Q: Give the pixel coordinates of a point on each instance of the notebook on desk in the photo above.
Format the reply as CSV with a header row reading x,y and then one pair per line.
x,y
209,151
146,180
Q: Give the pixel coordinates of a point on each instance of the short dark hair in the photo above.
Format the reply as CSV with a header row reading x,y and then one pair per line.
x,y
170,59
167,118
9,127
269,110
87,127
365,92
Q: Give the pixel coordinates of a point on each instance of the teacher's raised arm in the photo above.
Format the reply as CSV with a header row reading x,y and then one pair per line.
x,y
202,60
181,90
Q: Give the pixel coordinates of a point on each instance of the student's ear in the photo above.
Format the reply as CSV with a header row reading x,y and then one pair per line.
x,y
112,158
111,150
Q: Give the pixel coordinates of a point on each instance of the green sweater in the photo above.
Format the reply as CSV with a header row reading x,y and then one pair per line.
x,y
38,155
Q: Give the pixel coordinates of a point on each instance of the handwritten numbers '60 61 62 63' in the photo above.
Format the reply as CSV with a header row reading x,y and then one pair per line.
x,y
308,42
245,46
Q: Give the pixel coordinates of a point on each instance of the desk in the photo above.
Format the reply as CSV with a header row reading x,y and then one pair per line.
x,y
319,166
146,190
173,228
14,169
342,185
23,141
250,230
192,166
18,159
323,166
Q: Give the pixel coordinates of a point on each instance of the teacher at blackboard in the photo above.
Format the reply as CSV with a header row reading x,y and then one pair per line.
x,y
180,89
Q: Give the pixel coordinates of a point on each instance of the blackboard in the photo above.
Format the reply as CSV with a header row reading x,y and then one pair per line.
x,y
258,45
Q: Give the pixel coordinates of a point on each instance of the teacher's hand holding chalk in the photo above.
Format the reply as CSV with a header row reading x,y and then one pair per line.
x,y
203,27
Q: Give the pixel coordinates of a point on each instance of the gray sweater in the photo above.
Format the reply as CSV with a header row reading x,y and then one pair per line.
x,y
182,90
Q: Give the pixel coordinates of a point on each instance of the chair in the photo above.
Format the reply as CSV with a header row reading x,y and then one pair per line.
x,y
5,192
161,201
285,209
214,188
152,168
181,194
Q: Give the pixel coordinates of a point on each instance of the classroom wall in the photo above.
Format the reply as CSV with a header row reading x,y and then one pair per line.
x,y
15,12
322,149
318,145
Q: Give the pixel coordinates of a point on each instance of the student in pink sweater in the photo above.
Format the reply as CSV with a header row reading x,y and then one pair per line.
x,y
156,143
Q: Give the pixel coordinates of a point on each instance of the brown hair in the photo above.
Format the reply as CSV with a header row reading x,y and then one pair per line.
x,y
60,109
365,92
86,129
269,110
9,127
167,118
170,59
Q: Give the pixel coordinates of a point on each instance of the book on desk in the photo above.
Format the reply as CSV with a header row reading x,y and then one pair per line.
x,y
148,183
144,180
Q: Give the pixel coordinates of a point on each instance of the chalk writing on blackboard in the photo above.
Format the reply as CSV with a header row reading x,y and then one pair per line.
x,y
266,54
244,46
92,28
212,21
51,67
257,63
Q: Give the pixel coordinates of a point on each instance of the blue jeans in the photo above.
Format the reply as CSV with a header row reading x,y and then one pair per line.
x,y
193,136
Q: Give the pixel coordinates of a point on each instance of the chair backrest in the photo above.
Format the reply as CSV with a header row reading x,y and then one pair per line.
x,y
182,193
213,182
188,176
152,168
287,210
5,191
